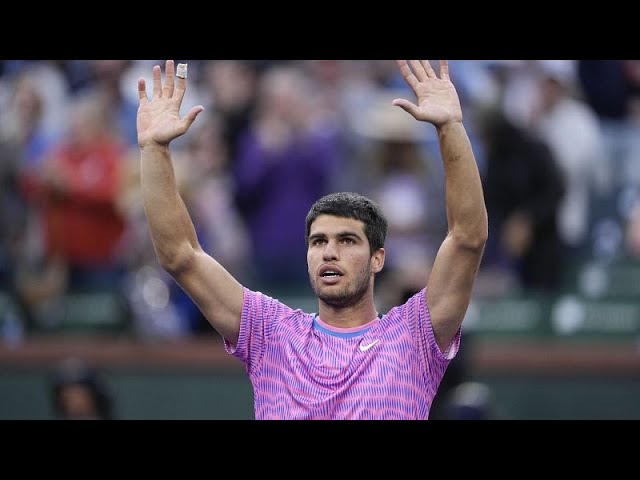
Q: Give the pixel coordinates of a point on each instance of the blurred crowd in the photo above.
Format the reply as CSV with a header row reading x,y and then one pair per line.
x,y
557,143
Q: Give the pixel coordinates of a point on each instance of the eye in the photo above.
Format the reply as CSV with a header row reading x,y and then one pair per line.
x,y
348,241
318,241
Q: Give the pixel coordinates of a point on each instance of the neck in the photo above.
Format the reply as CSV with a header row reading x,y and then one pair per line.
x,y
348,317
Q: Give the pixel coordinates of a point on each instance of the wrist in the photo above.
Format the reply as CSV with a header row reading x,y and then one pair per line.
x,y
449,124
154,147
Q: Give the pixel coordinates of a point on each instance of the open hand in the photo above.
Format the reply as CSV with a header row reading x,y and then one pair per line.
x,y
159,120
437,98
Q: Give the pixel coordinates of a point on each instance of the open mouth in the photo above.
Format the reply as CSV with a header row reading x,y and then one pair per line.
x,y
330,273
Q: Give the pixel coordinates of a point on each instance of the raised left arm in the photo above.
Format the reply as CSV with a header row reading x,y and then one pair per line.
x,y
455,267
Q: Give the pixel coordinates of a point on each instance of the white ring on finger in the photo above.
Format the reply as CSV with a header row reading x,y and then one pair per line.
x,y
181,72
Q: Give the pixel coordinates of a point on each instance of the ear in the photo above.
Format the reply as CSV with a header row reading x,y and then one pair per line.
x,y
377,260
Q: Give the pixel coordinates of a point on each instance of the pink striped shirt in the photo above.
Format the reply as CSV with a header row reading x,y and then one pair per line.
x,y
303,368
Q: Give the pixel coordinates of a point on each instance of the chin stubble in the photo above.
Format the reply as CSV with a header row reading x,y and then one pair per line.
x,y
345,297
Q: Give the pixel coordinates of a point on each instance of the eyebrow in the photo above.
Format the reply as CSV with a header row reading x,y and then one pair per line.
x,y
343,234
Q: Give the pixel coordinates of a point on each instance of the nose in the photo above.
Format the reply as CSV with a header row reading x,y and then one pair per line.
x,y
330,251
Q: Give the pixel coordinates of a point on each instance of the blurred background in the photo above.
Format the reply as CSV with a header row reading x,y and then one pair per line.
x,y
91,327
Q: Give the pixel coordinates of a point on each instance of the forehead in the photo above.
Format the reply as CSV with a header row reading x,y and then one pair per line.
x,y
332,225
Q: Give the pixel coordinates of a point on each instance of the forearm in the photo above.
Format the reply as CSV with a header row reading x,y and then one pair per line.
x,y
172,231
466,211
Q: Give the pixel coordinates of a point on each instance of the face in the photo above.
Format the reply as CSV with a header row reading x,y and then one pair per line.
x,y
78,402
341,267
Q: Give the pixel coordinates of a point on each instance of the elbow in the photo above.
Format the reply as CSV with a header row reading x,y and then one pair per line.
x,y
474,242
474,238
176,261
480,236
479,241
481,231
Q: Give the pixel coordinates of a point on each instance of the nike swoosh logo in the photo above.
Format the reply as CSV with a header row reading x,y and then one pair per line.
x,y
364,348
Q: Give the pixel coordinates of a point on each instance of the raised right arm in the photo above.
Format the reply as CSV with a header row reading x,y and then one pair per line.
x,y
218,295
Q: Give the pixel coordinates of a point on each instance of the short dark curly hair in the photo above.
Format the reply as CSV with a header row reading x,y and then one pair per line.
x,y
356,206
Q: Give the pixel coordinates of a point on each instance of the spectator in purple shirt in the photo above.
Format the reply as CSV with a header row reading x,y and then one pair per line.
x,y
284,163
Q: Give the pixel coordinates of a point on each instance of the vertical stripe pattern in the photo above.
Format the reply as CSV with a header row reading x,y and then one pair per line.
x,y
299,371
